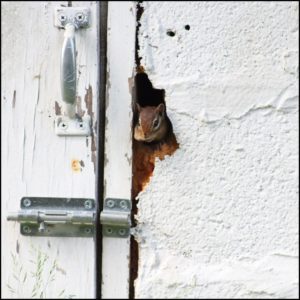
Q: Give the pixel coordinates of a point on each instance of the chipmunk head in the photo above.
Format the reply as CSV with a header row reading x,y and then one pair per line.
x,y
151,125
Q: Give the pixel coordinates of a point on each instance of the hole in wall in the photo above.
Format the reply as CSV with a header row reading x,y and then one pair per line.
x,y
153,134
187,27
171,32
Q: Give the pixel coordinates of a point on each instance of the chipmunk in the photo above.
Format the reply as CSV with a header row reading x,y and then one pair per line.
x,y
153,137
153,124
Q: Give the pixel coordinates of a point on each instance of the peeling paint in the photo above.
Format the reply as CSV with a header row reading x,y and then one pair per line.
x,y
88,99
82,163
57,109
80,112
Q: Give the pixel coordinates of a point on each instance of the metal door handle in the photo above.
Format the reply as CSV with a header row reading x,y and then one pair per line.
x,y
68,70
71,19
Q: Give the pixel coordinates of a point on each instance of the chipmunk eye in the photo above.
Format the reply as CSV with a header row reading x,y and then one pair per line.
x,y
155,123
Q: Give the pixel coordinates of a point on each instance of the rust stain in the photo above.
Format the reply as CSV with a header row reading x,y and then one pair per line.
x,y
14,99
57,109
76,165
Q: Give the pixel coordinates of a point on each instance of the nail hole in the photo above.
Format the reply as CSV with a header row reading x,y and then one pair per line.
x,y
170,33
187,27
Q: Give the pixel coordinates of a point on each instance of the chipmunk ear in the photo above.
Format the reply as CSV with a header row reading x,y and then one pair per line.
x,y
161,109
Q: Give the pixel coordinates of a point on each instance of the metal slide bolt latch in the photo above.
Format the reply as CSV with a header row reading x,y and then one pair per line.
x,y
71,217
70,19
60,217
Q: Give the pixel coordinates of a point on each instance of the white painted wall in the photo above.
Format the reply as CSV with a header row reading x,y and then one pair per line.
x,y
220,217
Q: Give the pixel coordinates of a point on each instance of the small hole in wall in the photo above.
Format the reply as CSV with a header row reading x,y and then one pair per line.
x,y
187,27
170,33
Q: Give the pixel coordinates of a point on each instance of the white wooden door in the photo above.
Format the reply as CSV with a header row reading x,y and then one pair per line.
x,y
37,162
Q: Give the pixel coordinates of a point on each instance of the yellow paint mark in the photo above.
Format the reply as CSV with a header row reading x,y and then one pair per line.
x,y
76,166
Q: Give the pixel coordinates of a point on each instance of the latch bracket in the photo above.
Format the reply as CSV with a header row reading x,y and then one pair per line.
x,y
115,218
65,126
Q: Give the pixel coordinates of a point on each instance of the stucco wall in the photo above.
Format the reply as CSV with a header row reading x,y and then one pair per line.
x,y
219,218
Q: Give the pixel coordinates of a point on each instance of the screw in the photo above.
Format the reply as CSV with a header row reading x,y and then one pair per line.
x,y
87,230
26,229
63,125
88,204
110,203
26,202
109,230
79,17
123,204
62,17
122,232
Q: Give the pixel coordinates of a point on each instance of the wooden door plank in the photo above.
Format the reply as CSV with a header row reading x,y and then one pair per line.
x,y
118,146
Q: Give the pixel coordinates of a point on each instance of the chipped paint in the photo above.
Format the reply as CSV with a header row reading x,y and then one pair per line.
x,y
88,99
57,109
80,112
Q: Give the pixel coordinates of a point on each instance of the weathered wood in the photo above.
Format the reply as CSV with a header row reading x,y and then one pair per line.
x,y
117,173
36,162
